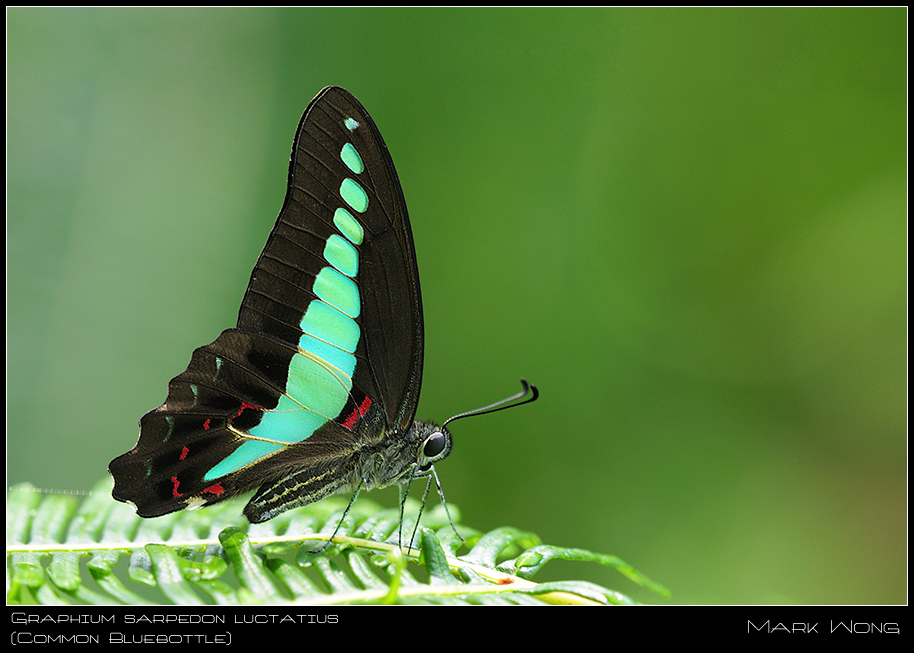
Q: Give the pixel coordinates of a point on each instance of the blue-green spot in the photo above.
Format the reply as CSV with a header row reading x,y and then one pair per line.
x,y
314,394
314,386
338,290
338,358
289,422
351,158
247,453
350,124
328,324
348,226
355,195
340,253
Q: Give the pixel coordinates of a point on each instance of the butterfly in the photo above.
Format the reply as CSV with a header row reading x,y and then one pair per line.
x,y
314,392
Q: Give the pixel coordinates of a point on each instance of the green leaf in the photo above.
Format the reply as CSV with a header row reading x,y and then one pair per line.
x,y
533,559
214,556
435,560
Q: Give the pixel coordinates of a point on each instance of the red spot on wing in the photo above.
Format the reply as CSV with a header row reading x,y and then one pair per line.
x,y
184,452
206,424
357,412
216,489
176,483
245,405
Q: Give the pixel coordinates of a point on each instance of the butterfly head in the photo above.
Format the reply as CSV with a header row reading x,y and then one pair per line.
x,y
435,444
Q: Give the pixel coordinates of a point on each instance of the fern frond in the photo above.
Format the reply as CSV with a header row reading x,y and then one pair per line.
x,y
193,558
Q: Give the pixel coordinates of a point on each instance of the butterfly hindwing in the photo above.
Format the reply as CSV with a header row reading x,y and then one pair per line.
x,y
327,354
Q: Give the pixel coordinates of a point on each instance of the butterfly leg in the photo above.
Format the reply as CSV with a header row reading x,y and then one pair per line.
x,y
418,517
336,530
444,503
431,473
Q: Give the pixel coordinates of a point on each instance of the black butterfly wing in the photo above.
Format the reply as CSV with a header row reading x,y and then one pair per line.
x,y
390,351
327,355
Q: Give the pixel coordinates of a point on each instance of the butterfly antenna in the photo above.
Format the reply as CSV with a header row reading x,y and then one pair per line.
x,y
501,405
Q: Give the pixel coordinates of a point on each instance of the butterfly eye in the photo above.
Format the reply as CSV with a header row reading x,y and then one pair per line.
x,y
434,444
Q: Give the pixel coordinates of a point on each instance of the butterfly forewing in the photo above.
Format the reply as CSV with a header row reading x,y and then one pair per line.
x,y
327,354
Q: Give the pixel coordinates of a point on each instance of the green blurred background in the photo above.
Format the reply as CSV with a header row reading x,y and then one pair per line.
x,y
687,227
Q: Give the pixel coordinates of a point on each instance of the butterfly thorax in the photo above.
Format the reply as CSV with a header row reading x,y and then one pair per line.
x,y
394,459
